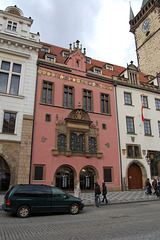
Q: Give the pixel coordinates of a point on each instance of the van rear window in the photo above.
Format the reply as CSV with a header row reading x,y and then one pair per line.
x,y
33,192
8,192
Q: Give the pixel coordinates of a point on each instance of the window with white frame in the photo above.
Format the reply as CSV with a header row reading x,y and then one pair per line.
x,y
130,124
127,98
10,74
147,127
144,99
12,25
157,102
97,70
50,58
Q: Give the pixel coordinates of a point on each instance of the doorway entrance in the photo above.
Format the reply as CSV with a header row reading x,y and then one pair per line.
x,y
65,178
87,178
4,175
134,177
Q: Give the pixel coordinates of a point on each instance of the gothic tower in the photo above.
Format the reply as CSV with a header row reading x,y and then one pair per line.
x,y
146,28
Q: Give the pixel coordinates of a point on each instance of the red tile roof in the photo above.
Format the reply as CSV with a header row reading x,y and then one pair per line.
x,y
117,70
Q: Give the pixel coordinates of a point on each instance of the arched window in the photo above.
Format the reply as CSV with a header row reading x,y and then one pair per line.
x,y
62,142
92,145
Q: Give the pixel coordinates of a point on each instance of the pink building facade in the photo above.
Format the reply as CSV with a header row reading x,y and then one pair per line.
x,y
75,140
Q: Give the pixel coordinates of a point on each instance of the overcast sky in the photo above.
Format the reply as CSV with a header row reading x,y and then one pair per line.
x,y
102,26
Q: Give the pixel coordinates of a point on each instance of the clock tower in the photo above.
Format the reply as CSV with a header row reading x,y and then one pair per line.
x,y
146,28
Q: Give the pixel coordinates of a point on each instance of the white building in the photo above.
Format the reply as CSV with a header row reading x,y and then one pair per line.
x,y
18,56
139,140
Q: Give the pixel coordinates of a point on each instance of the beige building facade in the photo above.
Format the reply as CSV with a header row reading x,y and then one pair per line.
x,y
146,28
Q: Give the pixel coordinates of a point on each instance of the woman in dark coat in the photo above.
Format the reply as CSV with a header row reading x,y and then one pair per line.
x,y
104,192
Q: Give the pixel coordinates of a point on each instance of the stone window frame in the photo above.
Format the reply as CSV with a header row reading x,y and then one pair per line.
x,y
129,126
12,25
44,172
52,95
10,72
87,97
112,174
108,103
9,132
144,99
73,96
147,127
157,104
133,148
126,98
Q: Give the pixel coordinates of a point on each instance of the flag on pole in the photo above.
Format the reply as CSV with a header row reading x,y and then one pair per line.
x,y
142,110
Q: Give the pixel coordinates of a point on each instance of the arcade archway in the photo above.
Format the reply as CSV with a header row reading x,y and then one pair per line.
x,y
4,175
64,178
87,178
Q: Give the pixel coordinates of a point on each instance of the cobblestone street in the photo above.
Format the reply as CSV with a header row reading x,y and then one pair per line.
x,y
133,221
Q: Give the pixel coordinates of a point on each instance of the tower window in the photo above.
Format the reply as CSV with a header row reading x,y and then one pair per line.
x,y
12,26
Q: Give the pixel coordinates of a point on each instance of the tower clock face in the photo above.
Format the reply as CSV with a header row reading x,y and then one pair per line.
x,y
146,25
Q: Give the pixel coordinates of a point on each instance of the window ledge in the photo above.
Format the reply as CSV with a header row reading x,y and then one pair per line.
x,y
68,153
148,135
132,133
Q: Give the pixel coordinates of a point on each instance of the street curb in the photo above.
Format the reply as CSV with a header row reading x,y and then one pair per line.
x,y
116,203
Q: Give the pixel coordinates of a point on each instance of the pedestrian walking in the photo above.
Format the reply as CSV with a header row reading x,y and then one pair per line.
x,y
148,187
155,187
104,192
97,195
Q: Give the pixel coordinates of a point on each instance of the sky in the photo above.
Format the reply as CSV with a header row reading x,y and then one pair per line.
x,y
101,26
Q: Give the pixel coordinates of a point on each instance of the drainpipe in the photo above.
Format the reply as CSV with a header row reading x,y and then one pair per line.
x,y
120,155
33,124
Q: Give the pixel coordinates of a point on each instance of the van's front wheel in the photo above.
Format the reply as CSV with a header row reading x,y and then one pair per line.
x,y
74,208
23,211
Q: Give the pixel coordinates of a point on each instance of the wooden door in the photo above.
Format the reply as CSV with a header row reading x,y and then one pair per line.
x,y
134,177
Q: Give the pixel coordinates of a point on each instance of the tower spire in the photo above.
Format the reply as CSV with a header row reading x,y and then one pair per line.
x,y
144,3
131,16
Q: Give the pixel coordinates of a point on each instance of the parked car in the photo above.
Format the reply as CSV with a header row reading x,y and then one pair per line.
x,y
27,198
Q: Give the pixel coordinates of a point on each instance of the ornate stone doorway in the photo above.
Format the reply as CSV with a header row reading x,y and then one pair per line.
x,y
4,175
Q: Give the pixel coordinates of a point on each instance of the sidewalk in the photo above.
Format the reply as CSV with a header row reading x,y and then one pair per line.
x,y
113,197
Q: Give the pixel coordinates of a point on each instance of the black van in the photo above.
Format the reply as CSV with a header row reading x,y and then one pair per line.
x,y
27,198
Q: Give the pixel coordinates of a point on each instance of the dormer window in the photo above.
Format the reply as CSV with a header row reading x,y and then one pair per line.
x,y
12,26
50,58
88,61
109,67
45,49
97,70
65,54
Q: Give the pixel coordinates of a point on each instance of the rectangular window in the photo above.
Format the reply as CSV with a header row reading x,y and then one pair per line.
x,y
47,93
12,26
133,151
68,97
77,142
157,102
147,127
9,122
105,103
127,98
99,71
51,59
144,99
108,174
10,75
48,117
43,49
87,100
130,124
159,127
39,172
